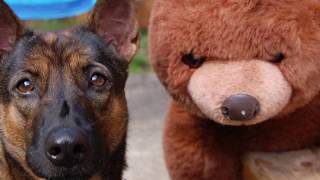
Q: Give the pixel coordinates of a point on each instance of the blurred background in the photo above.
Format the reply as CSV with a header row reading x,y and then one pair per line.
x,y
147,100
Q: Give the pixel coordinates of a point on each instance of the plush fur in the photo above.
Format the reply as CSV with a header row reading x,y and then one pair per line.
x,y
239,40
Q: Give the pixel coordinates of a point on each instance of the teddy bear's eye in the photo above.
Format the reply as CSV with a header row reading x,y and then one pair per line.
x,y
278,57
192,60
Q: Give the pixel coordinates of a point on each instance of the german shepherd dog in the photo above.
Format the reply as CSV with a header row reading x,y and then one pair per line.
x,y
63,112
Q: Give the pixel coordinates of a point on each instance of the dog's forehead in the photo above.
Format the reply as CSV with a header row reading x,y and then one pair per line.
x,y
41,53
59,48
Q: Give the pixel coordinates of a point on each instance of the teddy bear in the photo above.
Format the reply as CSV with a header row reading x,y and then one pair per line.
x,y
244,76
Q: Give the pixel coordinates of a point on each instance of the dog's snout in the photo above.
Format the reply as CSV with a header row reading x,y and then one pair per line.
x,y
67,147
240,107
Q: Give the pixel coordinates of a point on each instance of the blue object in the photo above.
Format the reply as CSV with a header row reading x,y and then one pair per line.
x,y
49,9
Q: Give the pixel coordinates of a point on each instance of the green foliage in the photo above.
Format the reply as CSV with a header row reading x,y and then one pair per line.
x,y
55,24
140,61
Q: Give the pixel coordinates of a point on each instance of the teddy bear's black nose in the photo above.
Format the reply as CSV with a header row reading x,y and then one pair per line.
x,y
240,107
67,147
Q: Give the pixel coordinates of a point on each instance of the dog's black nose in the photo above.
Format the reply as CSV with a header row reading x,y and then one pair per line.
x,y
67,147
240,107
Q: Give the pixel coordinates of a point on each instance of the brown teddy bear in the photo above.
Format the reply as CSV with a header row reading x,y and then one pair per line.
x,y
244,76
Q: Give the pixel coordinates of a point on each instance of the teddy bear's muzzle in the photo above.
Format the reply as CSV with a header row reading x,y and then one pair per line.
x,y
239,93
240,107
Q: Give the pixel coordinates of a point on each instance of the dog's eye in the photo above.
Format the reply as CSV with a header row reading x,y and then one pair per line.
x,y
97,80
278,57
25,86
193,61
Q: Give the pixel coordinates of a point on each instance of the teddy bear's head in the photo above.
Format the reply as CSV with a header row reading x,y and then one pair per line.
x,y
238,62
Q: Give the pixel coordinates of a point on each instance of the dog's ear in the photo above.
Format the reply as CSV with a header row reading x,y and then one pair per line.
x,y
10,28
115,22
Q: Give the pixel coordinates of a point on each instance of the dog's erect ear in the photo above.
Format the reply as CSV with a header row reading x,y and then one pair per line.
x,y
10,27
115,21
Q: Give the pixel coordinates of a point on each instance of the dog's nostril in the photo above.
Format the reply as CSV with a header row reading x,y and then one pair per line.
x,y
54,151
79,150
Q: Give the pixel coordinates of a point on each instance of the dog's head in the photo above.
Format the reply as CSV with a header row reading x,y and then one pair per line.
x,y
62,105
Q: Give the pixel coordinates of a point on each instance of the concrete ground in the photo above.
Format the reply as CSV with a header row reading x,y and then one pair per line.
x,y
147,101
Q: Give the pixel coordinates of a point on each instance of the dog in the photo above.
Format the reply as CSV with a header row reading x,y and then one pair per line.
x,y
63,112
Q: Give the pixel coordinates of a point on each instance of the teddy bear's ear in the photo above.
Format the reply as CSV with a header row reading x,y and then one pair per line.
x,y
115,22
10,28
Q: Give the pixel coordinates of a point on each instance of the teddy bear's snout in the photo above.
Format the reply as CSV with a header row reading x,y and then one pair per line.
x,y
240,107
239,93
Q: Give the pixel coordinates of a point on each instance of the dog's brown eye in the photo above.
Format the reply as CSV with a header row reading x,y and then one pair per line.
x,y
278,57
193,61
25,86
97,80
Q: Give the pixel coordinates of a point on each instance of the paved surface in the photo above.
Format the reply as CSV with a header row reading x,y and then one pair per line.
x,y
147,101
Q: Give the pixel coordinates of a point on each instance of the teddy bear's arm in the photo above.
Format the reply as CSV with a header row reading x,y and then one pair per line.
x,y
195,152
